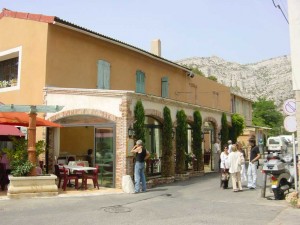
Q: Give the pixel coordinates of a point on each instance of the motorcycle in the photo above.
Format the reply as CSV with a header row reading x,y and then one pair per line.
x,y
280,168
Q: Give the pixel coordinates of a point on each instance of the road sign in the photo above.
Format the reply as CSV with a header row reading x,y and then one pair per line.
x,y
289,107
290,123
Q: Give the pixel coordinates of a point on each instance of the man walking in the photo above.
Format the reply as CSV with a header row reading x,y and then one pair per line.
x,y
139,169
253,164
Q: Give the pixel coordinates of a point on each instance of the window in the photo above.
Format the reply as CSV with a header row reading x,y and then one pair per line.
x,y
140,82
165,87
10,69
103,75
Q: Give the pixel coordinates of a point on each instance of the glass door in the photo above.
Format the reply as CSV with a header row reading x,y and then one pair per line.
x,y
105,155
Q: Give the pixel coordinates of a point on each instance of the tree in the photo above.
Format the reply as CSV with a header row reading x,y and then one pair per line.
x,y
238,125
139,124
224,131
197,139
181,141
167,163
265,114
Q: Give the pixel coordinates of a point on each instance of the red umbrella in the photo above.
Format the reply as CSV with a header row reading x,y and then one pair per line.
x,y
22,119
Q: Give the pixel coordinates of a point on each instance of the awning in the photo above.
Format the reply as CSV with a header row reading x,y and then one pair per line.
x,y
7,130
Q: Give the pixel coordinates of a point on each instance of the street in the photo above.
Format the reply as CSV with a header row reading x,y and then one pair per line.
x,y
199,200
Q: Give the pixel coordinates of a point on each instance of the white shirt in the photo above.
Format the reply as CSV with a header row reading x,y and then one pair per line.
x,y
229,148
234,160
224,161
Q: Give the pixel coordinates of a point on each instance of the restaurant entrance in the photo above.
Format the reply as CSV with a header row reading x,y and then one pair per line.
x,y
105,154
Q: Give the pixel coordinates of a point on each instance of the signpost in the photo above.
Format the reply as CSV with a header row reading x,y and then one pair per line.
x,y
290,124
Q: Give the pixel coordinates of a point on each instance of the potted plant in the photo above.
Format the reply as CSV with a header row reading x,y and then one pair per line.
x,y
21,183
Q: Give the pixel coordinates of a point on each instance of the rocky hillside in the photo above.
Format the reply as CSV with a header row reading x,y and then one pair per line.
x,y
270,78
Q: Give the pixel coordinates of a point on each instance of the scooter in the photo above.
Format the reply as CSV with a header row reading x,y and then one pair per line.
x,y
281,172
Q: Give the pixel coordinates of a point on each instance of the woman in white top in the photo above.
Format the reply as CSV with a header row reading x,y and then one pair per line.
x,y
224,165
235,161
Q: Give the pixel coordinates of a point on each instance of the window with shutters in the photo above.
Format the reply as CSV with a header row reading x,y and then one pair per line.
x,y
103,81
165,87
140,82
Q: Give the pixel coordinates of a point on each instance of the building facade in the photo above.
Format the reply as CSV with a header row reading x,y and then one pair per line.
x,y
45,60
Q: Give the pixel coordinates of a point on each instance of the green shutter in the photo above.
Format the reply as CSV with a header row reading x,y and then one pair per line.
x,y
165,87
140,82
103,81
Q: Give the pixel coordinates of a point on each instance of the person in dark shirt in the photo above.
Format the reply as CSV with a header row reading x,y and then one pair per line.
x,y
89,157
141,154
253,164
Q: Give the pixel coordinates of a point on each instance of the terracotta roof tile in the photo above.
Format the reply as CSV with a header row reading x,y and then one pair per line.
x,y
27,16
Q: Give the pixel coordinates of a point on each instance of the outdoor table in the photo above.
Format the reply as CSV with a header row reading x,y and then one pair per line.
x,y
83,169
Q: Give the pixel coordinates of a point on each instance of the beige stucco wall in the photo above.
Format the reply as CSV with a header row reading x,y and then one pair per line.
x,y
67,47
31,36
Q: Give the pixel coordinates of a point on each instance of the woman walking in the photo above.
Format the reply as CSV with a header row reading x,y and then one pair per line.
x,y
224,165
234,159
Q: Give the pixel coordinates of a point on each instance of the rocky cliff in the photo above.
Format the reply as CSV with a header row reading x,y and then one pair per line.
x,y
270,78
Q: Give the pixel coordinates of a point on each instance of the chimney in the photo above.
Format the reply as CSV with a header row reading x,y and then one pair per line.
x,y
156,47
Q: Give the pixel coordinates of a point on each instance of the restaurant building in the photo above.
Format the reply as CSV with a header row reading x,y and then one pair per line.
x,y
45,60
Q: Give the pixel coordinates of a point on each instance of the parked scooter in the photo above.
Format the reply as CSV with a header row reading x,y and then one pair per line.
x,y
280,168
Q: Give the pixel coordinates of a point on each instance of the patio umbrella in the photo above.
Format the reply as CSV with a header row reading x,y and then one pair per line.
x,y
22,119
7,130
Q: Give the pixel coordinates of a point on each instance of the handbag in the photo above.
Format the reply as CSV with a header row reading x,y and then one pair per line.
x,y
224,176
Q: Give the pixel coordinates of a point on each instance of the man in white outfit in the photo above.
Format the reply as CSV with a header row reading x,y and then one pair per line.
x,y
217,151
253,164
229,146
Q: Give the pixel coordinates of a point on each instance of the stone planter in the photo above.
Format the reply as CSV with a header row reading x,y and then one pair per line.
x,y
32,186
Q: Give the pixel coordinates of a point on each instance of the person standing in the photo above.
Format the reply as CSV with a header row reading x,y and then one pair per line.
x,y
243,161
253,164
89,157
141,154
224,165
217,150
234,160
229,146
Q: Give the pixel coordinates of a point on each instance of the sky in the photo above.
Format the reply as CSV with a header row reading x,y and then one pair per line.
x,y
242,31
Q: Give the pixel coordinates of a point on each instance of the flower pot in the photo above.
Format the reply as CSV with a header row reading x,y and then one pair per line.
x,y
32,186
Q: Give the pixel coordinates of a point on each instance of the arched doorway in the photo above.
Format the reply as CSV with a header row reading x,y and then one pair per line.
x,y
153,143
209,138
82,132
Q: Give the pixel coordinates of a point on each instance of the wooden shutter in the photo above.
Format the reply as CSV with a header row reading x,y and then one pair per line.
x,y
165,87
140,82
103,75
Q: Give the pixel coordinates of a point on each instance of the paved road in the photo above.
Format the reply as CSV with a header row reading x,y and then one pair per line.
x,y
196,201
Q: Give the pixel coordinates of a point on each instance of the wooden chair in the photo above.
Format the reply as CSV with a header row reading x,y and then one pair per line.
x,y
93,176
67,177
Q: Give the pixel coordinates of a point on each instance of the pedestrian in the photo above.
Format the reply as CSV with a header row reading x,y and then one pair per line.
x,y
224,165
253,164
235,161
141,154
217,150
229,145
243,164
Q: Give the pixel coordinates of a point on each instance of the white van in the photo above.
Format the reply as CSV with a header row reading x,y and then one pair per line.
x,y
277,144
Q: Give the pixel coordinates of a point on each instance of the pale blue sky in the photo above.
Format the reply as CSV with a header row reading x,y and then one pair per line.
x,y
243,31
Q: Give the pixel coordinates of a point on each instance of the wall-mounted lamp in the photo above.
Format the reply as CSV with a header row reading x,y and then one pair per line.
x,y
131,132
202,136
219,136
173,133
